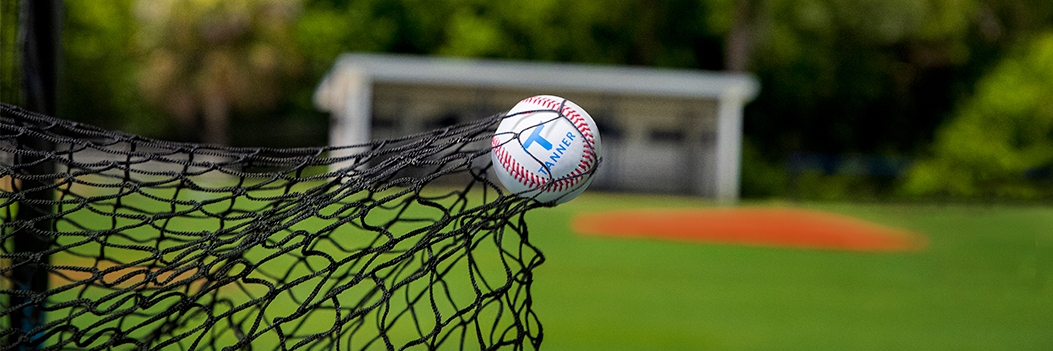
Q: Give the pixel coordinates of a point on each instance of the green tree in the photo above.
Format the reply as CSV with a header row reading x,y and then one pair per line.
x,y
837,76
10,77
209,58
643,32
863,76
997,135
100,58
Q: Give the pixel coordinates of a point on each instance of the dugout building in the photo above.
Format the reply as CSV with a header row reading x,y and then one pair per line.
x,y
662,130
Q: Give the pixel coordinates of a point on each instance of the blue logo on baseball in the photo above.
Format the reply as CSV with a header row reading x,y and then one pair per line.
x,y
535,137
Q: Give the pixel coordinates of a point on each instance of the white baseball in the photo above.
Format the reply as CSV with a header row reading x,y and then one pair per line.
x,y
546,148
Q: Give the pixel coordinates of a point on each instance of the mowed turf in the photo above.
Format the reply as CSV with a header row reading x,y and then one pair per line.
x,y
984,282
138,242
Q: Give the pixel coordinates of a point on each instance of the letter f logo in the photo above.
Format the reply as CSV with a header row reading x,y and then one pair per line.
x,y
536,136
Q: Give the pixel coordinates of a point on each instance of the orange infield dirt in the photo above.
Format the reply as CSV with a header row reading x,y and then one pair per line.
x,y
783,227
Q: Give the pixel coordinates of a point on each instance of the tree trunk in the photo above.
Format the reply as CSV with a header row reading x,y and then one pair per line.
x,y
217,115
742,38
645,48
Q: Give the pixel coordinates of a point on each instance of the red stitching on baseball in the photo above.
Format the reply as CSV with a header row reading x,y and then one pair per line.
x,y
517,171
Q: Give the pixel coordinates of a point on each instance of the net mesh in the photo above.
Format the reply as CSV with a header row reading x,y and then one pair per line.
x,y
146,244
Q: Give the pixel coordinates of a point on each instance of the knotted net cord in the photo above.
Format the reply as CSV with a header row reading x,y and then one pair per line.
x,y
395,244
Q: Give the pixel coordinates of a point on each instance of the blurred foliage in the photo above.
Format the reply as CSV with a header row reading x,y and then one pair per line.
x,y
10,70
874,77
100,67
999,135
865,77
208,58
862,76
818,186
838,76
762,176
646,32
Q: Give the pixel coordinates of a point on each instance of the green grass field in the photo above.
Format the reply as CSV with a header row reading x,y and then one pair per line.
x,y
984,283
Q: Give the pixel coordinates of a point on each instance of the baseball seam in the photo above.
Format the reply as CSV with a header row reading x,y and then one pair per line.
x,y
517,171
526,177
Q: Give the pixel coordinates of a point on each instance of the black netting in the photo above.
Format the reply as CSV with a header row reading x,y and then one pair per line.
x,y
116,241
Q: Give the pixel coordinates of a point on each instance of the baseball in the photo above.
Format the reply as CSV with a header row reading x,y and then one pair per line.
x,y
547,149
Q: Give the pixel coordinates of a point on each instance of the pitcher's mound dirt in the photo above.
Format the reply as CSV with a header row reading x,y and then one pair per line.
x,y
783,227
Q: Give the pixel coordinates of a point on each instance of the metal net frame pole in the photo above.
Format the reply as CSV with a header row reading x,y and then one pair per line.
x,y
40,36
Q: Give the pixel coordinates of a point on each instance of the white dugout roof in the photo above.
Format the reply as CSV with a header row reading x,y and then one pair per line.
x,y
347,92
